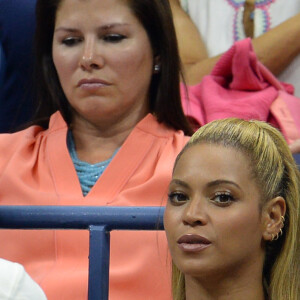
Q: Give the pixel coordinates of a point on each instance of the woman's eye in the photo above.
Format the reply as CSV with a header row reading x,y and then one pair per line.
x,y
113,38
223,198
71,41
177,198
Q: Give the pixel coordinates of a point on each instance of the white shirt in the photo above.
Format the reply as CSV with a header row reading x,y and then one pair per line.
x,y
220,25
16,284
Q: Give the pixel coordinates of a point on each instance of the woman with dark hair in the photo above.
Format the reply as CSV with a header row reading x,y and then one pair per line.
x,y
108,79
232,217
164,95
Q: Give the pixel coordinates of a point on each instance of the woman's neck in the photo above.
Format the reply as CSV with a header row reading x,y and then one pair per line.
x,y
92,148
95,144
225,288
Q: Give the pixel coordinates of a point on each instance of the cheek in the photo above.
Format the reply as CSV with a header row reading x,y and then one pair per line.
x,y
171,223
134,62
64,64
239,229
167,221
60,66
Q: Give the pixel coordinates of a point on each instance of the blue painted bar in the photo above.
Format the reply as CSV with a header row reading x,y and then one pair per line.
x,y
98,220
99,263
297,159
81,217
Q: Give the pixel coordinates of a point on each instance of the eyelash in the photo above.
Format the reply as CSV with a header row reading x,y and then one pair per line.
x,y
178,198
109,38
173,198
114,38
219,195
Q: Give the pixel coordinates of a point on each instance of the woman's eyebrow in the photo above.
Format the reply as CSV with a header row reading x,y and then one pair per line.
x,y
112,25
65,29
102,27
222,181
179,182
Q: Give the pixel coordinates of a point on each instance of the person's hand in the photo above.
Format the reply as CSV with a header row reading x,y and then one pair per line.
x,y
295,146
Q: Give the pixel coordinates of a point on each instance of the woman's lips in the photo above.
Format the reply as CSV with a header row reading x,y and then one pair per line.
x,y
92,84
193,243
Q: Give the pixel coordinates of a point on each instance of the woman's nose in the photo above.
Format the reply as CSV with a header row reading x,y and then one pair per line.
x,y
91,57
195,213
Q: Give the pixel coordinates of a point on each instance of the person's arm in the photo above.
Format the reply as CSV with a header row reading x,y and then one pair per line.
x,y
192,49
295,147
275,49
279,46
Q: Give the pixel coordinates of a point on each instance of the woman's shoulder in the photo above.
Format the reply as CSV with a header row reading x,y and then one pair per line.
x,y
27,140
33,132
8,141
161,140
150,126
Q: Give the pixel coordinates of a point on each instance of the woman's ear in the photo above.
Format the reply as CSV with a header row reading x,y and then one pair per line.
x,y
273,218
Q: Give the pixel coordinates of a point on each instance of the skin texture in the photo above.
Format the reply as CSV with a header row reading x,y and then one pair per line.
x,y
228,214
102,40
295,147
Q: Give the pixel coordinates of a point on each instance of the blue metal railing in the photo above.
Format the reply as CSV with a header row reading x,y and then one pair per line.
x,y
98,220
297,158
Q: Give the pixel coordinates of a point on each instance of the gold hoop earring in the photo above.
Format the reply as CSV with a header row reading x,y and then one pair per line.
x,y
275,237
278,235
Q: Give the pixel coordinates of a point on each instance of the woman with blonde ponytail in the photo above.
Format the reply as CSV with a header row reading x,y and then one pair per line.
x,y
232,217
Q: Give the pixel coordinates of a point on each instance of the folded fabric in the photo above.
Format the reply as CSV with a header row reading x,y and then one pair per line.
x,y
240,86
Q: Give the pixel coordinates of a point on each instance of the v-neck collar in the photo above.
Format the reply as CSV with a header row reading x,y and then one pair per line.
x,y
124,164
